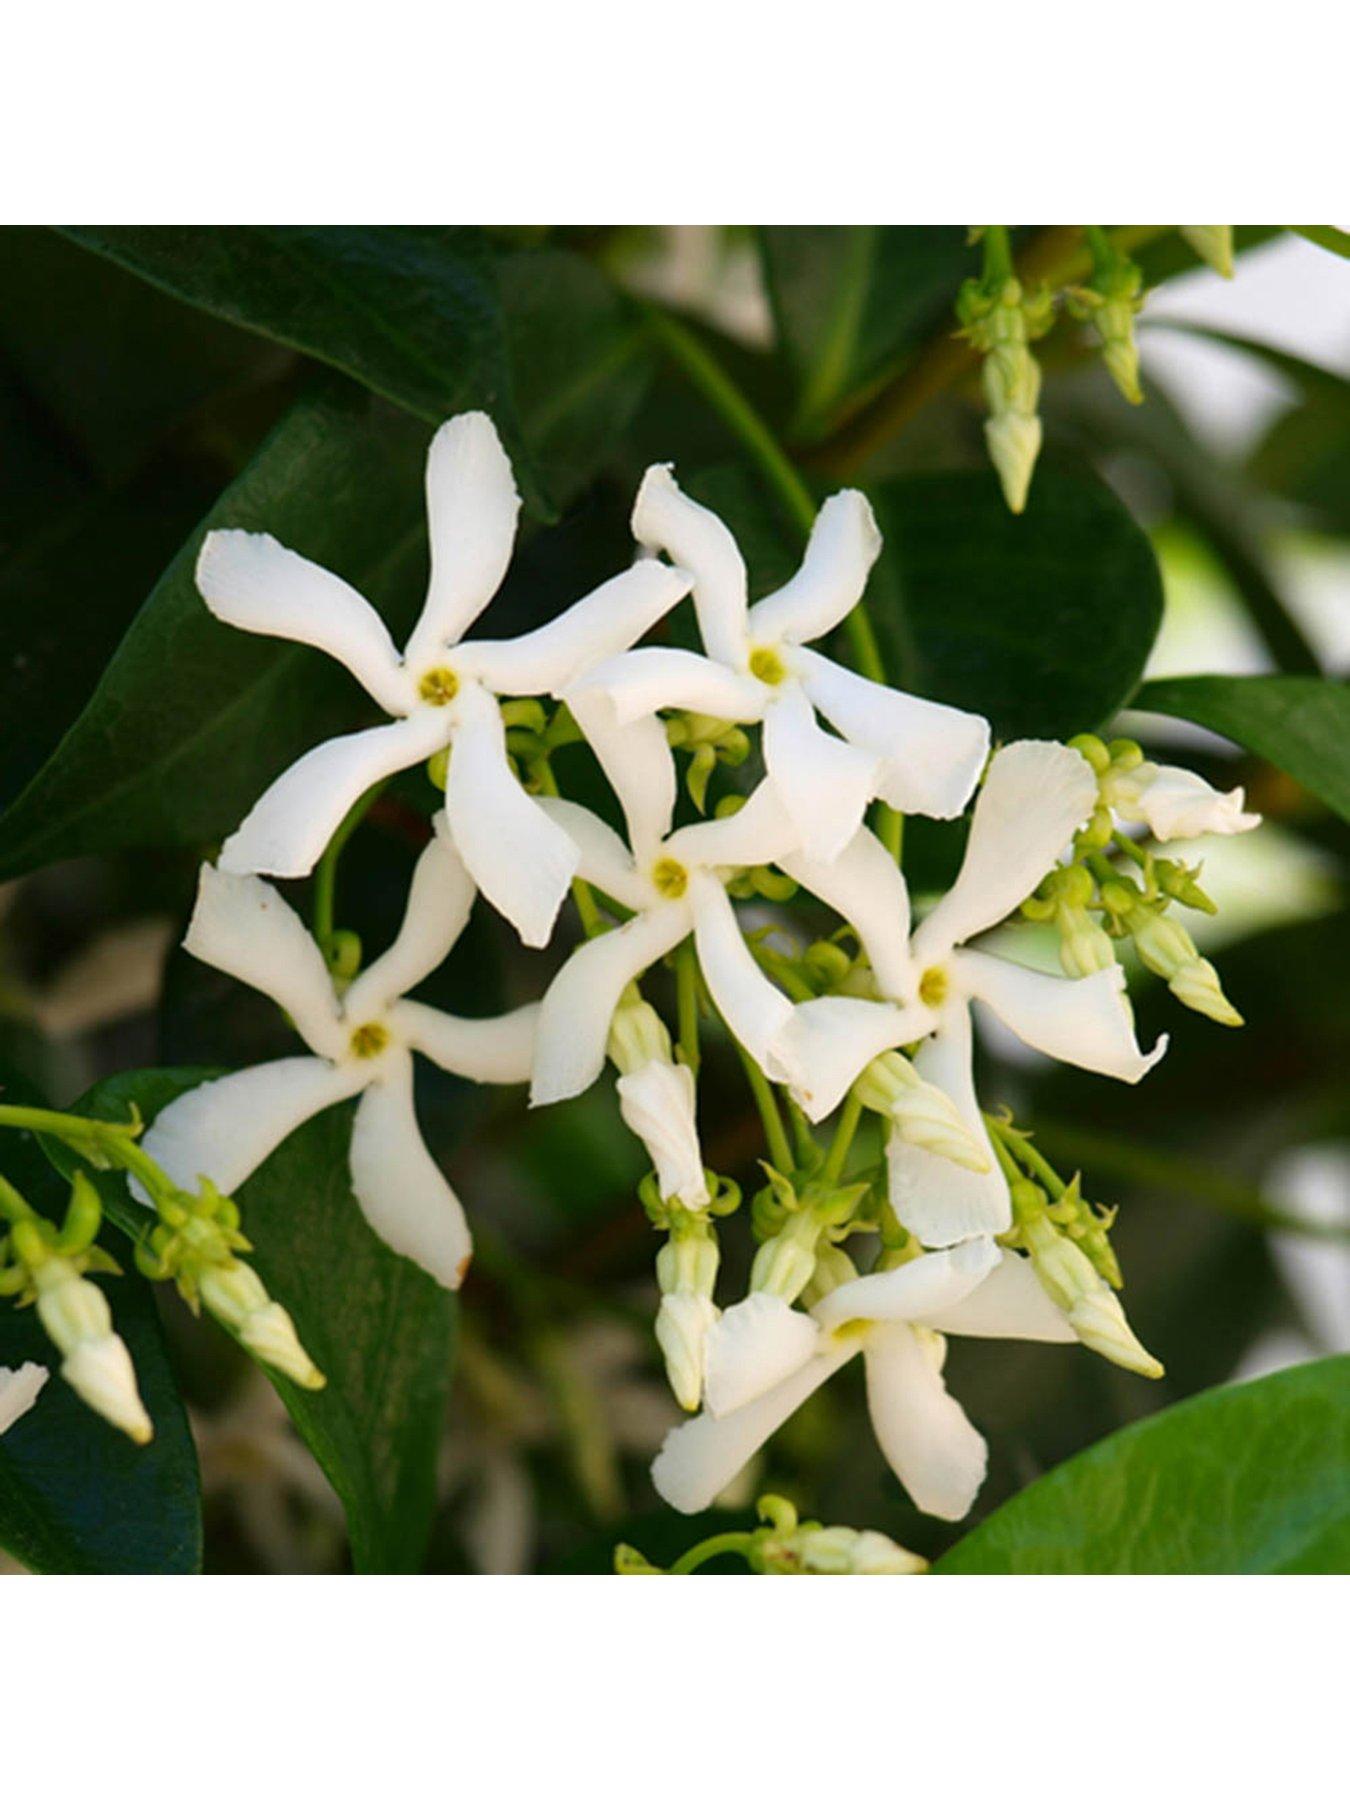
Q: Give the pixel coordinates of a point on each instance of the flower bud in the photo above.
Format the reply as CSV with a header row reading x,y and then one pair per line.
x,y
1166,947
682,1325
1212,244
687,1263
637,1035
1014,441
839,1550
1084,947
920,1112
77,1318
1100,1322
1093,1311
657,1101
235,1296
784,1265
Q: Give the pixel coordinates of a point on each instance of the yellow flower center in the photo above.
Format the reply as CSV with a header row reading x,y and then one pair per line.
x,y
767,665
670,878
439,686
369,1040
933,986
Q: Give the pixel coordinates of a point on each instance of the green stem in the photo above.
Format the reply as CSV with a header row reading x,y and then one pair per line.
x,y
807,1147
587,910
686,1002
726,1543
890,828
79,1133
780,1152
1020,1148
998,262
325,873
842,1140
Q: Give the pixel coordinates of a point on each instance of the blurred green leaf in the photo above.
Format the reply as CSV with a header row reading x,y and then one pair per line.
x,y
849,300
382,1331
1326,237
1043,622
76,1496
1298,722
192,719
1243,1480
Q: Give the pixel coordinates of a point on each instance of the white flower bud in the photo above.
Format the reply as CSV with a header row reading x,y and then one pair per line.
x,y
637,1035
1197,985
839,1550
1165,946
1175,803
682,1325
1097,1317
784,1265
1014,441
235,1295
657,1101
102,1373
1084,947
921,1112
687,1263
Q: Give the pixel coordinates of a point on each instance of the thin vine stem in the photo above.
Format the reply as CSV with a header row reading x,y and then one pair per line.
x,y
726,1543
325,872
780,1151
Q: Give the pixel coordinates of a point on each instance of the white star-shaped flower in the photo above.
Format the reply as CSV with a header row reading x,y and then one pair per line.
x,y
1035,796
441,691
917,755
362,1043
897,1320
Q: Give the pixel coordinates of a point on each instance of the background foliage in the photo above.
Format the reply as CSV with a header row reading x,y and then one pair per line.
x,y
155,382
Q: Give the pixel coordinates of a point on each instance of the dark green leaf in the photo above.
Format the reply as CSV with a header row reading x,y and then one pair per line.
x,y
1242,1480
1326,237
192,719
1043,622
381,1330
1298,722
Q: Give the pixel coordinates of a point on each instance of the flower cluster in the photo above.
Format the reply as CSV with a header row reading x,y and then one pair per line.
x,y
974,1232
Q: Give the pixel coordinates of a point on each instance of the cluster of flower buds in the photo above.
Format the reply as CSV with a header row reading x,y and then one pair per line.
x,y
784,1544
1109,302
1002,319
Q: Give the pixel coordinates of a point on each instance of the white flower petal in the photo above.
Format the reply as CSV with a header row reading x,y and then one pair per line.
x,y
930,755
1087,1022
1035,796
521,859
761,832
224,1129
548,659
753,1346
756,1012
499,1049
927,1439
638,765
667,520
405,1199
863,884
825,783
915,1290
472,506
653,679
844,544
440,899
606,860
700,1458
1177,803
828,1043
1009,1303
657,1102
19,1390
936,1199
288,830
251,581
242,926
575,1014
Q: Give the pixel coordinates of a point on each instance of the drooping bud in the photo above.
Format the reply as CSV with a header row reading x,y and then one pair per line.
x,y
76,1316
1001,321
919,1111
686,1273
1068,1277
1165,947
234,1294
657,1102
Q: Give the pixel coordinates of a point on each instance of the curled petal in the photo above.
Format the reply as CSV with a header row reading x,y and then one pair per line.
x,y
753,1346
405,1199
761,832
935,1198
440,900
1035,796
936,1452
638,765
1086,1022
288,830
915,1290
653,679
844,544
472,507
19,1390
667,520
828,1043
606,860
863,884
251,581
575,1013
1009,1303
547,660
824,783
242,926
224,1129
930,756
700,1458
658,1105
521,859
499,1049
1177,803
756,1012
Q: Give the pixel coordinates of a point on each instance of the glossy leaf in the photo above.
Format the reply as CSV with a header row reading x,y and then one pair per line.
x,y
1043,622
191,719
1244,1480
382,1331
1298,722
